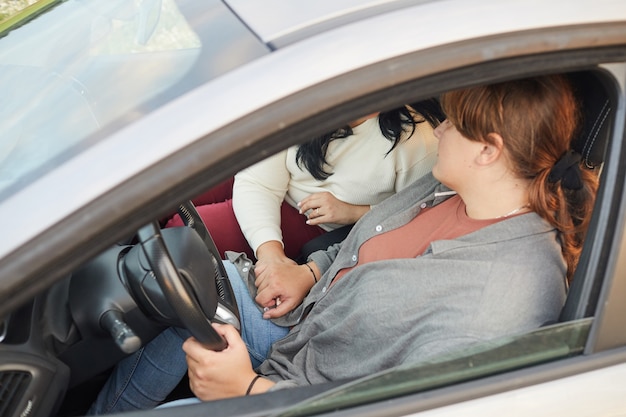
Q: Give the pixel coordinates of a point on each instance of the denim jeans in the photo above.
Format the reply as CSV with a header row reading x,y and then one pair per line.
x,y
145,378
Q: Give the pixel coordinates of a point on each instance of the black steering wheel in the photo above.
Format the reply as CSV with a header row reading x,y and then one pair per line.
x,y
196,300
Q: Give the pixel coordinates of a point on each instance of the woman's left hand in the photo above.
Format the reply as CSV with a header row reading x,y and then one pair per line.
x,y
214,375
326,208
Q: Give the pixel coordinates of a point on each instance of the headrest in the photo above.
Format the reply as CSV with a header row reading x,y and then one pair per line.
x,y
591,143
597,113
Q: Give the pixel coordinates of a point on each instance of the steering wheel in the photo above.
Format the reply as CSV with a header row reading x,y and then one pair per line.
x,y
196,300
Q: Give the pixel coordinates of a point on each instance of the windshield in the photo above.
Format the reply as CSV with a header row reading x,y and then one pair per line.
x,y
79,68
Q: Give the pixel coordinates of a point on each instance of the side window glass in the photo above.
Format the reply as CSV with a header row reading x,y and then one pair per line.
x,y
547,344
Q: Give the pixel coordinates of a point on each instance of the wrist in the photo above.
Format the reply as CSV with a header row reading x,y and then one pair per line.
x,y
364,210
252,384
272,249
358,212
315,278
259,385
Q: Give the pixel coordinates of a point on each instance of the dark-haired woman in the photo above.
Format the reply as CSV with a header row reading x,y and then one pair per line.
x,y
306,191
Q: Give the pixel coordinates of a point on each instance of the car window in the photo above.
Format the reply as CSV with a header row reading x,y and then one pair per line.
x,y
550,343
73,69
544,345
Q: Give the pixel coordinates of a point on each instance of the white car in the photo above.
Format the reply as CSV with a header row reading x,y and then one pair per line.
x,y
114,112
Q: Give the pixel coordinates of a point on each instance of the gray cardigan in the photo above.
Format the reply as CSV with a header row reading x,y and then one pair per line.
x,y
504,279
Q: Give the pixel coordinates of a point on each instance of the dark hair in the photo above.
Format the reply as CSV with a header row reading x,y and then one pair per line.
x,y
393,124
537,119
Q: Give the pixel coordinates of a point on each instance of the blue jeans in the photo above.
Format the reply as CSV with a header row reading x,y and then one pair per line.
x,y
145,378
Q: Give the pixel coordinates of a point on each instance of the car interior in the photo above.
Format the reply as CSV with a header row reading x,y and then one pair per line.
x,y
71,352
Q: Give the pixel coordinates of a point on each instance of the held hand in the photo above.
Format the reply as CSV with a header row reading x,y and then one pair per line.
x,y
326,208
214,375
282,287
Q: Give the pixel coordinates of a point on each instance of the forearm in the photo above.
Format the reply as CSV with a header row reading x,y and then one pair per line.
x,y
257,211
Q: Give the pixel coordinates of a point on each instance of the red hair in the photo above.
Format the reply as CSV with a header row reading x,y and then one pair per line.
x,y
537,119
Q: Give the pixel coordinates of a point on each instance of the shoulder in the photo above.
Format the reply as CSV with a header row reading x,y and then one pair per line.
x,y
269,164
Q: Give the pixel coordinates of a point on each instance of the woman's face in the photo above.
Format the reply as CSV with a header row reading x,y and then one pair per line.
x,y
455,156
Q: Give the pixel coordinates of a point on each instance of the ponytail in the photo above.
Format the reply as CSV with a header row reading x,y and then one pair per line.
x,y
565,197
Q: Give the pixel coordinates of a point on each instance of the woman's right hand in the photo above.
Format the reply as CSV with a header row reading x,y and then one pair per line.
x,y
281,283
324,207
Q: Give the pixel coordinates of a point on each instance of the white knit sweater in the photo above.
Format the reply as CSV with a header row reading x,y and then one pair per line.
x,y
362,175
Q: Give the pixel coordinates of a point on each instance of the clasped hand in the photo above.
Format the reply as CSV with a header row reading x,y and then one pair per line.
x,y
281,286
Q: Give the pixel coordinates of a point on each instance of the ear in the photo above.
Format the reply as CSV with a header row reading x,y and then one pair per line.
x,y
491,150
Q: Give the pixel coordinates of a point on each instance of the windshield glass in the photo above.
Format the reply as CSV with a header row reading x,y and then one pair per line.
x,y
77,67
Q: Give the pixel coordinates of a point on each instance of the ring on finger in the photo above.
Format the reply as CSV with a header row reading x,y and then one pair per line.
x,y
317,211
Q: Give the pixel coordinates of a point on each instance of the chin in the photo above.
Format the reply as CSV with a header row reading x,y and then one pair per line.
x,y
441,178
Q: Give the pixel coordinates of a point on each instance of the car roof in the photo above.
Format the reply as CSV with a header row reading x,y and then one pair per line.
x,y
281,22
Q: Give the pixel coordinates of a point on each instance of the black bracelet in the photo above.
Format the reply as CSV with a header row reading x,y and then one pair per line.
x,y
311,269
254,380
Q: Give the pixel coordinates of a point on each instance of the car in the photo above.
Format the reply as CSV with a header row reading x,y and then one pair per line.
x,y
115,114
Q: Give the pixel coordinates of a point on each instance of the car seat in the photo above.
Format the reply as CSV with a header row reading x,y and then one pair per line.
x,y
597,108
